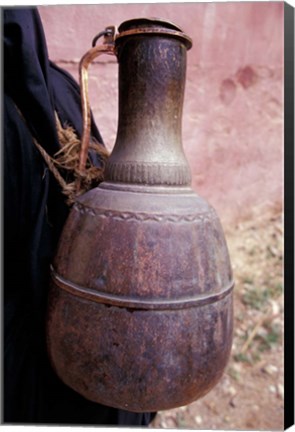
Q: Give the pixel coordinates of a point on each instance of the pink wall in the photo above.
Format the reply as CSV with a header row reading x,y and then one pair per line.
x,y
233,110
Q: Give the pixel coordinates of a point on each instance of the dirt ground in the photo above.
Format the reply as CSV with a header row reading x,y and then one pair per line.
x,y
250,395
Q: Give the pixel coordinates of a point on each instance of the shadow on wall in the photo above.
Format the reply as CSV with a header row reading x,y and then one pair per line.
x,y
233,109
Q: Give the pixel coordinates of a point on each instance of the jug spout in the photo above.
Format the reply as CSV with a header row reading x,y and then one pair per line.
x,y
152,67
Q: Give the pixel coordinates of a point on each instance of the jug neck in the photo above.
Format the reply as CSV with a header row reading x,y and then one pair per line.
x,y
152,67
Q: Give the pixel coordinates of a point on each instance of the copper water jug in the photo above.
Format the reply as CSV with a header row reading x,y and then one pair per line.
x,y
140,308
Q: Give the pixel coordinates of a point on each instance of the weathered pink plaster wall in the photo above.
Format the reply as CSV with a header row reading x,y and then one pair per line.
x,y
233,110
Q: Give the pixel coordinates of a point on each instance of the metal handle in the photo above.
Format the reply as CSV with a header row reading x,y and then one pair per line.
x,y
108,47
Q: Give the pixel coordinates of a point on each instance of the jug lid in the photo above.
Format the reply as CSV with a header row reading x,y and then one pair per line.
x,y
140,23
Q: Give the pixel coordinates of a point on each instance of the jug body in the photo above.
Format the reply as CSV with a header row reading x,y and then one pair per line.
x,y
140,310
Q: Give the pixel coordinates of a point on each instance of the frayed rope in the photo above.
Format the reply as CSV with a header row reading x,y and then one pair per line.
x,y
65,164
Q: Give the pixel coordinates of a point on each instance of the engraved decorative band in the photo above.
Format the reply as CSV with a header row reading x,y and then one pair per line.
x,y
138,303
148,173
144,217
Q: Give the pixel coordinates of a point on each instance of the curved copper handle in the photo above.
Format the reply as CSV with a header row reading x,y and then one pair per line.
x,y
108,47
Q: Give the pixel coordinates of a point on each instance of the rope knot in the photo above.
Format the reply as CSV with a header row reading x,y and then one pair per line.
x,y
64,165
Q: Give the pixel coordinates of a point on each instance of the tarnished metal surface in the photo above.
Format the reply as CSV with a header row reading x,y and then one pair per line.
x,y
140,309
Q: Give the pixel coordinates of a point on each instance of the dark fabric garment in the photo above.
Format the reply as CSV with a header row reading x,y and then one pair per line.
x,y
34,213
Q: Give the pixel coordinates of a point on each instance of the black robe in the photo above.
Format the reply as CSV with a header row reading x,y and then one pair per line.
x,y
34,214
